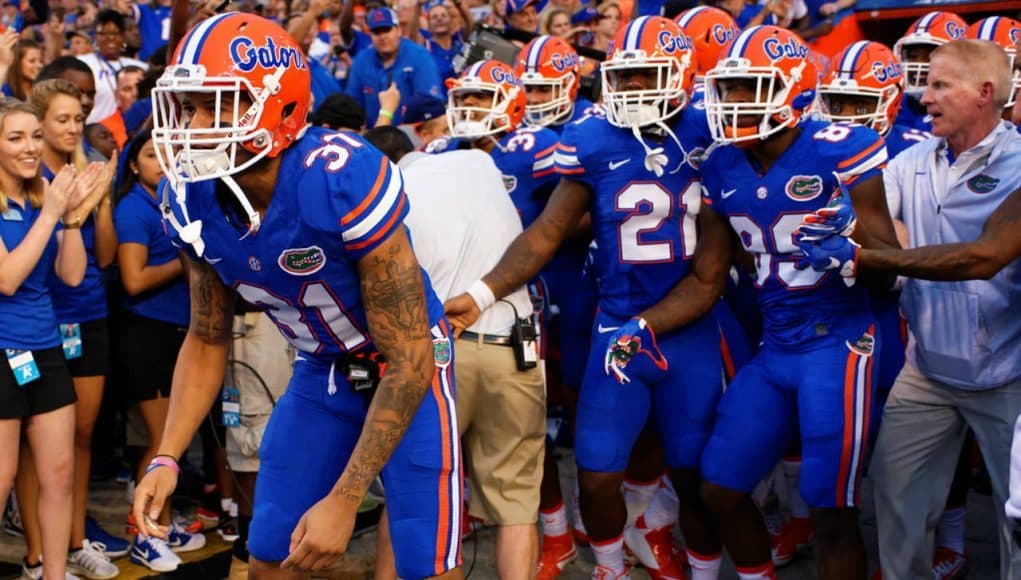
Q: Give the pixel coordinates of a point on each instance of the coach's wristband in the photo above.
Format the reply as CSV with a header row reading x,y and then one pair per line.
x,y
163,461
482,295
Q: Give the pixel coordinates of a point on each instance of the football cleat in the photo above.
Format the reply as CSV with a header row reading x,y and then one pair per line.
x,y
556,553
656,550
792,537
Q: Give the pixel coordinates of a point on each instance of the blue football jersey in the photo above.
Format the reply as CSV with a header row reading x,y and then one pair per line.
x,y
337,198
913,115
644,225
525,158
900,138
153,27
765,209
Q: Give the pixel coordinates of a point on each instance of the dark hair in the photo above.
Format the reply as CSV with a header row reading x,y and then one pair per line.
x,y
112,16
393,142
60,65
158,58
339,111
131,68
133,149
14,76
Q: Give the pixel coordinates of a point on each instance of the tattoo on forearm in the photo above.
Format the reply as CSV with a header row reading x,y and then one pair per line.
x,y
212,310
394,297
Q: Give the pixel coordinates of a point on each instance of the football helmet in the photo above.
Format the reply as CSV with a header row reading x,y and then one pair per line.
x,y
549,61
1005,32
657,47
933,29
867,70
504,114
254,80
780,73
710,29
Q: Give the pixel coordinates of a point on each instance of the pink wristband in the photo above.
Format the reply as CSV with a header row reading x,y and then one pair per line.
x,y
163,461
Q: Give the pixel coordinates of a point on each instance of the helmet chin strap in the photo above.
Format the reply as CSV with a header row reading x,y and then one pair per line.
x,y
655,158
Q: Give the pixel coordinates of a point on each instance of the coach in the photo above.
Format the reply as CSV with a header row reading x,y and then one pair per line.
x,y
461,221
960,197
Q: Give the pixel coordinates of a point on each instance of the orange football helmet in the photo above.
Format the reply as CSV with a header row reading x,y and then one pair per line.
x,y
869,70
549,62
1007,33
506,110
657,47
254,79
780,74
710,29
932,30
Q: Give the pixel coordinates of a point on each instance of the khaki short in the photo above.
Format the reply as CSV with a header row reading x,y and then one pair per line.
x,y
502,416
260,346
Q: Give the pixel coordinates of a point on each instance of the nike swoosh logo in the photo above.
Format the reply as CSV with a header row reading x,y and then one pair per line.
x,y
727,193
616,164
604,329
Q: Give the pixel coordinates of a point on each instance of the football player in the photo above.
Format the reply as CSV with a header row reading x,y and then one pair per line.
x,y
813,375
710,29
656,354
1005,32
550,72
912,50
307,225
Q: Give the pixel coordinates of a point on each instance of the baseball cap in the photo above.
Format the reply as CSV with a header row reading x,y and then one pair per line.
x,y
382,18
512,6
584,16
419,108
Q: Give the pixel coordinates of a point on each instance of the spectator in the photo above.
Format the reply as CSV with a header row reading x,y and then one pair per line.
x,y
443,42
141,110
78,43
555,21
153,326
82,315
38,394
339,111
127,87
74,70
26,63
392,62
426,116
105,63
606,25
959,196
153,20
101,140
304,29
521,15
461,220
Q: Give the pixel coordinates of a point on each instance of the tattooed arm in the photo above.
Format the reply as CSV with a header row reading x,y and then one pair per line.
x,y
393,294
997,246
198,376
202,360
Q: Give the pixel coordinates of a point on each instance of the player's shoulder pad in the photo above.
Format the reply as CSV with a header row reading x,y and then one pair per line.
x,y
338,175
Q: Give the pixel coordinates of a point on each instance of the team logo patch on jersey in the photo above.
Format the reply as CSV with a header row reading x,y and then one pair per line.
x,y
982,183
254,264
864,346
441,352
510,183
302,261
804,187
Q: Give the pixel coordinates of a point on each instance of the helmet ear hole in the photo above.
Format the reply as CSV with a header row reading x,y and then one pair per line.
x,y
288,109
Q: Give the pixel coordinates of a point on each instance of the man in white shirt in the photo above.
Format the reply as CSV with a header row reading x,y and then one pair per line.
x,y
461,221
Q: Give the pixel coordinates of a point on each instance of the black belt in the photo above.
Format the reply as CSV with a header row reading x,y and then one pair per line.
x,y
486,338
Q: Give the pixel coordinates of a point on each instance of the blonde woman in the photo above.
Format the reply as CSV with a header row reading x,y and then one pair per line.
x,y
36,391
81,316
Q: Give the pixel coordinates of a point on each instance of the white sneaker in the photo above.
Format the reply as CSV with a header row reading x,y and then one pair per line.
x,y
155,554
36,572
180,540
92,562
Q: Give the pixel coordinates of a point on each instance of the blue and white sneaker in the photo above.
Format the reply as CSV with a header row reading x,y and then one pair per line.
x,y
155,554
180,540
12,517
114,547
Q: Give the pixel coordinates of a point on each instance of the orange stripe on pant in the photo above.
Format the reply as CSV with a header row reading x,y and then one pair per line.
x,y
847,447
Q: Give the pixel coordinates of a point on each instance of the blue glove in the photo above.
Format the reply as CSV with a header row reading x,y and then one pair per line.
x,y
836,219
634,337
832,253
